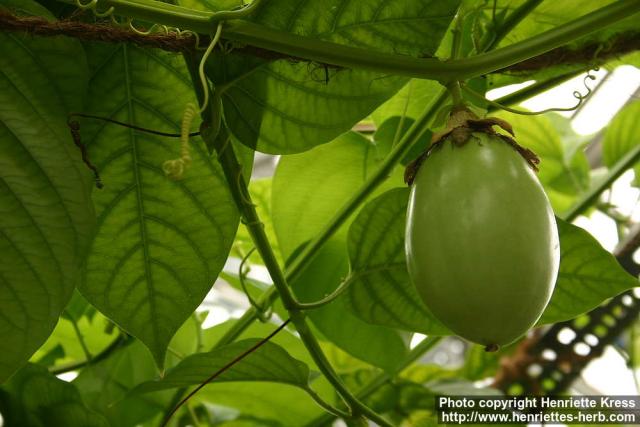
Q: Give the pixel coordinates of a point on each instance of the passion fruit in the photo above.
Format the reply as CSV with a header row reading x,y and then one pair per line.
x,y
481,239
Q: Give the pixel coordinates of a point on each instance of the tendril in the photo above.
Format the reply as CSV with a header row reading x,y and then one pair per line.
x,y
158,29
263,313
576,94
203,78
175,168
93,6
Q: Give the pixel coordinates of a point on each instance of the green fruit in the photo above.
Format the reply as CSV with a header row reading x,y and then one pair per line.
x,y
482,243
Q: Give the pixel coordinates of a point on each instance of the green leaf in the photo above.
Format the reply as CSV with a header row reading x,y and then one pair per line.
x,y
46,215
104,387
36,398
410,101
288,107
588,276
269,362
286,338
622,136
564,170
381,292
307,189
160,243
263,404
393,129
78,307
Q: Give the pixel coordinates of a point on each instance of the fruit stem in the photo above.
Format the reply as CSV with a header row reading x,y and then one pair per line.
x,y
456,95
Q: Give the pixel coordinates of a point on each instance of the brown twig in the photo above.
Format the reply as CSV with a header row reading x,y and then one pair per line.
x,y
100,31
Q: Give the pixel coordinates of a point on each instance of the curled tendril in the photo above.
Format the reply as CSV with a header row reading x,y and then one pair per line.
x,y
93,6
157,29
151,29
263,313
175,168
579,96
576,94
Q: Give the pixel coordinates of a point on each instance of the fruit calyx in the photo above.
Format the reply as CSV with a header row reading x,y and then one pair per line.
x,y
461,124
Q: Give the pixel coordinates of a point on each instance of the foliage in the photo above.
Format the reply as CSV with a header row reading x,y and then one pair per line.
x,y
106,282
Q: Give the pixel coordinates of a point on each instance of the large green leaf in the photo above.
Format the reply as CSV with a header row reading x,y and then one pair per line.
x,y
160,243
36,398
309,187
269,362
381,292
46,215
104,387
287,107
622,135
588,275
307,190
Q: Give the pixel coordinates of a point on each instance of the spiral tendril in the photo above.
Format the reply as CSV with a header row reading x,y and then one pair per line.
x,y
576,94
175,168
92,5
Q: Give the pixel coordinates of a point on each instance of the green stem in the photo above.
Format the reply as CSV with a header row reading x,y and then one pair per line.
x,y
384,377
456,94
233,172
313,49
591,196
240,193
325,405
